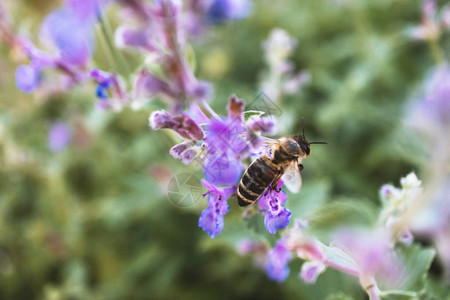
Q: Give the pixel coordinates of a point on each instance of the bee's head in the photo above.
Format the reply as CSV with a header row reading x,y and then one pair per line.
x,y
304,144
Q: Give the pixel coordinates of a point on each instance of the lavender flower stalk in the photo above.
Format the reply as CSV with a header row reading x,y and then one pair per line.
x,y
280,79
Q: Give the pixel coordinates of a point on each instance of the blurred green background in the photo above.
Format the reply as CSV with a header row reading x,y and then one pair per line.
x,y
94,221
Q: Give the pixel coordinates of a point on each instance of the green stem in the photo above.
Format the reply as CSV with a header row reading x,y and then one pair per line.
x,y
436,52
118,59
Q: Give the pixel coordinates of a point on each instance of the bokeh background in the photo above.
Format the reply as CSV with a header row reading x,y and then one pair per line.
x,y
93,221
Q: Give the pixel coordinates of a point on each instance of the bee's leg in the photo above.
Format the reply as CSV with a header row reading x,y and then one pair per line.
x,y
300,167
274,183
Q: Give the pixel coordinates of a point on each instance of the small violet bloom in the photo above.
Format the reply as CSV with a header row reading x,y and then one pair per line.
x,y
220,11
69,35
104,82
27,78
311,270
226,146
182,124
211,219
59,137
277,216
277,262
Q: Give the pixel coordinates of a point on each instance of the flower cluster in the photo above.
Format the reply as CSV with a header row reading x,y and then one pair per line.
x,y
395,203
221,145
68,51
370,254
159,30
428,213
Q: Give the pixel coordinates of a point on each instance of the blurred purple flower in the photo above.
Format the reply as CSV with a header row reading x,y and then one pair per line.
x,y
176,150
69,32
104,82
266,124
126,36
257,249
371,250
86,10
311,270
434,222
211,219
306,247
59,137
182,124
406,237
277,262
27,78
147,85
70,35
437,98
220,11
429,28
389,192
276,216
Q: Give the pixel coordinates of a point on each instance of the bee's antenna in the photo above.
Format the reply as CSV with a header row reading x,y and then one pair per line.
x,y
303,127
318,143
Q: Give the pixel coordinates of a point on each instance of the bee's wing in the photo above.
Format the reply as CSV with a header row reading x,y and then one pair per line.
x,y
292,178
270,143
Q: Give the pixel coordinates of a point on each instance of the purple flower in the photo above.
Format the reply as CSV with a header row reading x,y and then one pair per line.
x,y
389,192
406,237
70,35
197,114
182,124
278,258
311,270
226,145
306,247
371,250
59,137
437,99
222,169
130,37
178,149
277,216
226,135
27,78
86,10
220,11
211,219
147,85
266,125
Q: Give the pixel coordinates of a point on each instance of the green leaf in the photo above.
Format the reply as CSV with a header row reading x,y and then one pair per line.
x,y
339,257
311,197
249,113
256,224
411,283
344,211
339,296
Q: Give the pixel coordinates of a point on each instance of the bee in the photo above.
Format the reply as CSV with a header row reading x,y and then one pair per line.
x,y
283,162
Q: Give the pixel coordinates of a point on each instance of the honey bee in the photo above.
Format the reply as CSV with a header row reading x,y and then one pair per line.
x,y
283,162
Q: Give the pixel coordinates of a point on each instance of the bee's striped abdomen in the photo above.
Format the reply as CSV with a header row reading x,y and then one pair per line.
x,y
255,180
